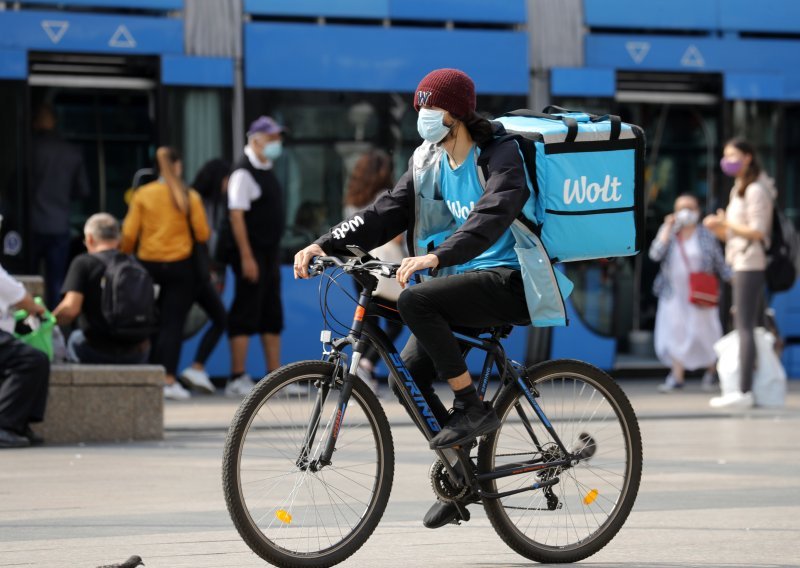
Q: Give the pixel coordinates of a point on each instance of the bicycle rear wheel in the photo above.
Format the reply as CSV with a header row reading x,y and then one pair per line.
x,y
286,511
581,513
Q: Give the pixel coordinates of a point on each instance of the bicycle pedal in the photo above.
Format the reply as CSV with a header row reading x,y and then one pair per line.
x,y
463,513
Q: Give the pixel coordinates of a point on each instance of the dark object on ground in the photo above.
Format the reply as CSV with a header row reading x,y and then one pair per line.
x,y
131,562
9,439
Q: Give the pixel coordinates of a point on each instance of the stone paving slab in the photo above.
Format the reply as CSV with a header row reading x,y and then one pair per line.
x,y
717,491
214,412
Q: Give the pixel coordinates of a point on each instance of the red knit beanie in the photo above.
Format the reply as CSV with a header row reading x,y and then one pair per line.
x,y
448,89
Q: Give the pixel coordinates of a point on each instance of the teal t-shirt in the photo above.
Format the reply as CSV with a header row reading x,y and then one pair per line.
x,y
461,190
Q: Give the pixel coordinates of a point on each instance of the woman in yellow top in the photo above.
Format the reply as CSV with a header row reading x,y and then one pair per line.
x,y
157,228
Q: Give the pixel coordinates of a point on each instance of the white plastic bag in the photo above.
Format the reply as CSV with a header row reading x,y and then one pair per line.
x,y
769,378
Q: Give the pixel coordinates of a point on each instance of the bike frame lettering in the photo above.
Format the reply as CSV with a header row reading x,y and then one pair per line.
x,y
412,387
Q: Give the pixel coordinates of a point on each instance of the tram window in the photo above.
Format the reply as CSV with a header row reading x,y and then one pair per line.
x,y
789,185
12,167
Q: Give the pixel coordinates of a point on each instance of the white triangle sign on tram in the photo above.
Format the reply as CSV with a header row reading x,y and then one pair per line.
x,y
55,29
692,57
638,50
122,38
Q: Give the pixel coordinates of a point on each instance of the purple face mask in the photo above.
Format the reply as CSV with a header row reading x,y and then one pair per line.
x,y
730,168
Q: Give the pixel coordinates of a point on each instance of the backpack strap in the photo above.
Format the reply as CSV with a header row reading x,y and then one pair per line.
x,y
529,163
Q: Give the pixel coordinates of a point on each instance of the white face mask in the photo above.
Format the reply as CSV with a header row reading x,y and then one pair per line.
x,y
430,125
687,217
273,150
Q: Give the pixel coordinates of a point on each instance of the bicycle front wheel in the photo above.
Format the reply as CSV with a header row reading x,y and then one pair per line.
x,y
289,509
581,513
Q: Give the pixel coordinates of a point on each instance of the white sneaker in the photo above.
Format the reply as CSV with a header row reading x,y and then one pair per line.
x,y
240,386
175,391
733,400
669,384
198,379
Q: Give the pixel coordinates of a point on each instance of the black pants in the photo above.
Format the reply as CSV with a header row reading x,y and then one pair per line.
x,y
24,378
476,299
176,294
748,298
256,307
212,305
54,249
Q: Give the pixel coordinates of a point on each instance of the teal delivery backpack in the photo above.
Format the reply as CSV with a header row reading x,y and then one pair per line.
x,y
587,176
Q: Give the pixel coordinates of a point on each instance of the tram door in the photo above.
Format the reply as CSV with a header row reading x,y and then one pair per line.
x,y
107,108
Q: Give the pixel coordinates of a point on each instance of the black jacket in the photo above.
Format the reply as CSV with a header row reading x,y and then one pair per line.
x,y
393,212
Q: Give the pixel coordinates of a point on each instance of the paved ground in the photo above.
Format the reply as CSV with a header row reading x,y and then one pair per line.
x,y
719,490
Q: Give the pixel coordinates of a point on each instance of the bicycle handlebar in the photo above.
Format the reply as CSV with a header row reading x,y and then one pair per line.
x,y
353,265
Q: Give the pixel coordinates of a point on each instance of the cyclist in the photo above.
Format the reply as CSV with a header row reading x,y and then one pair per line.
x,y
460,231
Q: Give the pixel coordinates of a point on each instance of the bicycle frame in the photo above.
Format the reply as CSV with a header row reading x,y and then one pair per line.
x,y
418,407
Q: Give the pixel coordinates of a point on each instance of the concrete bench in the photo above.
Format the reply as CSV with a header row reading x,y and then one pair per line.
x,y
104,403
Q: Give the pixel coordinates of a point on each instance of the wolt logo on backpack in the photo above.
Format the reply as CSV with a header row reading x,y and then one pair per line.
x,y
578,190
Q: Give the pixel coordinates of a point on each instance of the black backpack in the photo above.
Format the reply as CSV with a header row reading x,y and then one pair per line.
x,y
127,298
782,254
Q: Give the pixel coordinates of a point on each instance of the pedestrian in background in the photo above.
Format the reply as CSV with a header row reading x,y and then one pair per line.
x,y
58,177
745,228
372,175
24,371
685,333
211,182
94,342
157,227
256,221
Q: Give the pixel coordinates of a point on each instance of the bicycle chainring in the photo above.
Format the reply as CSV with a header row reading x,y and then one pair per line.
x,y
443,486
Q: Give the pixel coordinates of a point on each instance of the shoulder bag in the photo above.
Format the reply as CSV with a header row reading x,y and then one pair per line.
x,y
703,286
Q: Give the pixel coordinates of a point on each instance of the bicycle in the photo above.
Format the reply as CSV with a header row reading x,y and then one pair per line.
x,y
309,458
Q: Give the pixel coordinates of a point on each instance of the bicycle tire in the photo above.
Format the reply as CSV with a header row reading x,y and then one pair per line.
x,y
251,450
587,488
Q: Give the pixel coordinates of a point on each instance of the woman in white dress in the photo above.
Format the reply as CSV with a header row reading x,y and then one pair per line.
x,y
685,333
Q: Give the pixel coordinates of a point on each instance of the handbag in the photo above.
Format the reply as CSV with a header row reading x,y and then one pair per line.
x,y
703,286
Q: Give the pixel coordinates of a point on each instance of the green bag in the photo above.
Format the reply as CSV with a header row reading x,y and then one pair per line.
x,y
38,333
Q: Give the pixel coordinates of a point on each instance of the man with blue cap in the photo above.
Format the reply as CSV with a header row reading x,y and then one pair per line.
x,y
255,226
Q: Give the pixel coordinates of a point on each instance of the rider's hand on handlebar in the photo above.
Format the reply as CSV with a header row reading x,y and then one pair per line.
x,y
303,258
412,264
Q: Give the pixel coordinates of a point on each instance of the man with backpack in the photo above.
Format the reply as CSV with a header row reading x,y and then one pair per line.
x,y
112,295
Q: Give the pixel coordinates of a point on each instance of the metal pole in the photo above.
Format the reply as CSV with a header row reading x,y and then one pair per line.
x,y
237,110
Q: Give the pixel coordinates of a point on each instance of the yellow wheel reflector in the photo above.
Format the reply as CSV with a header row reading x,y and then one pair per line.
x,y
588,500
284,516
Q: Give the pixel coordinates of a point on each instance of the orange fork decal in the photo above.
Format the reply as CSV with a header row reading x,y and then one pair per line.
x,y
359,313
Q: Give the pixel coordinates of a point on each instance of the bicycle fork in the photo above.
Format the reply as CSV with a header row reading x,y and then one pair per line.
x,y
346,391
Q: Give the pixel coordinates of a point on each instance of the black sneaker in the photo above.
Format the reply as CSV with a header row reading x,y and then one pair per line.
x,y
464,425
443,513
9,439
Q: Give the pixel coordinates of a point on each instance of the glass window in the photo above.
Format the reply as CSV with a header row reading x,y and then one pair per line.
x,y
789,183
199,126
114,144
